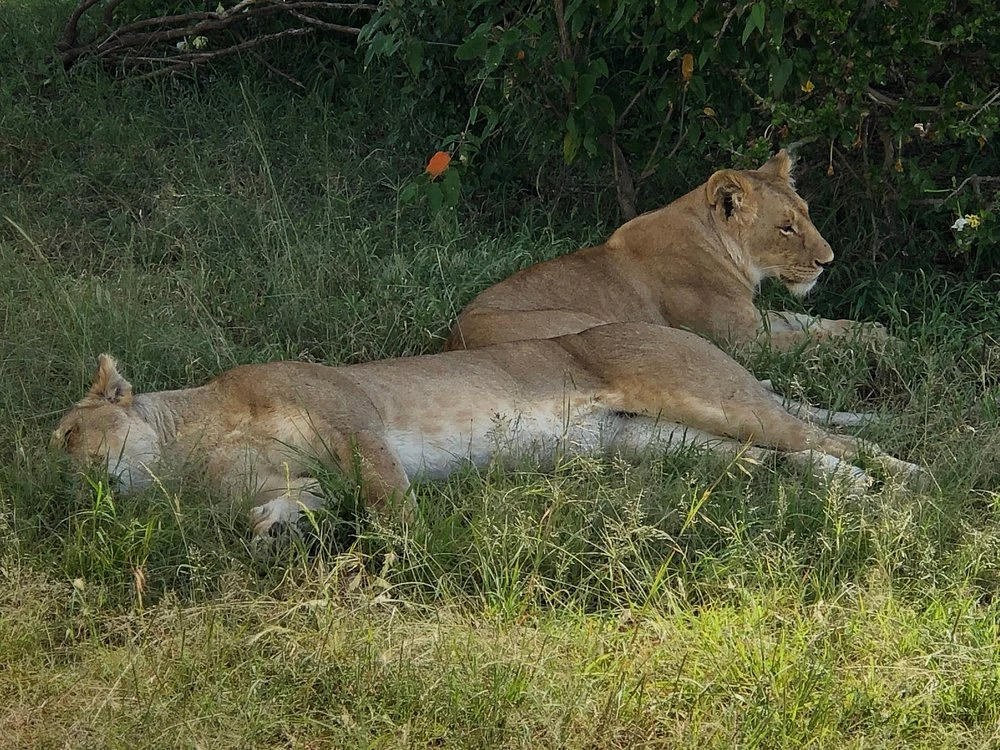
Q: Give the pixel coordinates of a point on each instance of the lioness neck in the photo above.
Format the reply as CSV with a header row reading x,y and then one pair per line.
x,y
168,411
696,251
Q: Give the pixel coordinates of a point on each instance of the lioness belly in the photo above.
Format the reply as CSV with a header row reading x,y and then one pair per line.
x,y
500,434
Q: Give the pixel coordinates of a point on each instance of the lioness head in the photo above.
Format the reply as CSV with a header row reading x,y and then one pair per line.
x,y
105,428
769,223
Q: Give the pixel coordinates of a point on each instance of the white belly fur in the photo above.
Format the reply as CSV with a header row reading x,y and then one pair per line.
x,y
539,435
434,451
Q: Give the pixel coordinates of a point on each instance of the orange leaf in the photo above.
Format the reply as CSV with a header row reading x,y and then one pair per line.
x,y
687,66
438,164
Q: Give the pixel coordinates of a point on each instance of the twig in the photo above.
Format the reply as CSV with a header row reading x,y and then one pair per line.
x,y
725,23
650,169
975,180
638,95
680,127
624,185
193,58
887,101
992,98
279,73
324,25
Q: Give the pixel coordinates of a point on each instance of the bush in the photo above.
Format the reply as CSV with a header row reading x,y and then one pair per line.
x,y
895,103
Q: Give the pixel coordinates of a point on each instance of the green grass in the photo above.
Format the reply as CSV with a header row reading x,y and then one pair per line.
x,y
683,602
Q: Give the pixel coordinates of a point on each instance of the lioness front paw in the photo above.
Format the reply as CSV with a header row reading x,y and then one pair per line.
x,y
280,513
871,334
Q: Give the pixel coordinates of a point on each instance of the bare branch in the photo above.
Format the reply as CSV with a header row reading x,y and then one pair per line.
x,y
134,43
71,33
324,25
110,11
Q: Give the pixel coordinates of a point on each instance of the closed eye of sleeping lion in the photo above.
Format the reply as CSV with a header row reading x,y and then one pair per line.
x,y
694,264
263,429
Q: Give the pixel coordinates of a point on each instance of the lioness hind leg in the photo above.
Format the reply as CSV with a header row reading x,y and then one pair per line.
x,y
852,479
487,326
818,415
633,436
754,416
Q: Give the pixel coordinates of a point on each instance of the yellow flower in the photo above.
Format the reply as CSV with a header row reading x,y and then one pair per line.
x,y
974,220
808,86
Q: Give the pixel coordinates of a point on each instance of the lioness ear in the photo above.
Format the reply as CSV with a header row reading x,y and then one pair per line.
x,y
108,384
729,189
779,165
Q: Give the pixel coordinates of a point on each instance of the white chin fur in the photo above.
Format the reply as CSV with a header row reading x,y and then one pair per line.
x,y
131,477
801,289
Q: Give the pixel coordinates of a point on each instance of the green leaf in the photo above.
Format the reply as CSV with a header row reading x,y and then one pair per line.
x,y
755,21
434,196
409,193
781,75
687,13
698,90
571,145
415,56
494,55
605,108
777,24
694,133
451,187
571,125
564,70
585,88
474,45
510,37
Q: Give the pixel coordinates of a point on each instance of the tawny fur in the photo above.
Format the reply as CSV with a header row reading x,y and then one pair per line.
x,y
694,264
261,430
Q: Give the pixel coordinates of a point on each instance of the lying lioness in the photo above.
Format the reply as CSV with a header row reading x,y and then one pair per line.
x,y
263,428
695,264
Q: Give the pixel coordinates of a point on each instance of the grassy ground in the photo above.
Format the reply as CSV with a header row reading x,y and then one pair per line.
x,y
684,602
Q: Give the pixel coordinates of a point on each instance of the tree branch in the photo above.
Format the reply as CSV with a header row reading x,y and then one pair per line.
x,y
132,43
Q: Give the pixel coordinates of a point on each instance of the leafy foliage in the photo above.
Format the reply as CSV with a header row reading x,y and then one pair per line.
x,y
894,101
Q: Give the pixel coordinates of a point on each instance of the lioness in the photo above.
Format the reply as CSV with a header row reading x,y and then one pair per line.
x,y
695,264
263,429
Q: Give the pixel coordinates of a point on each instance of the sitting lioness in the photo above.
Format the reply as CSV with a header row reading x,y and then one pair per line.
x,y
695,264
264,429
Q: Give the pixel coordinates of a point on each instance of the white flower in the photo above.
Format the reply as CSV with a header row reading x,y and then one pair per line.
x,y
960,223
